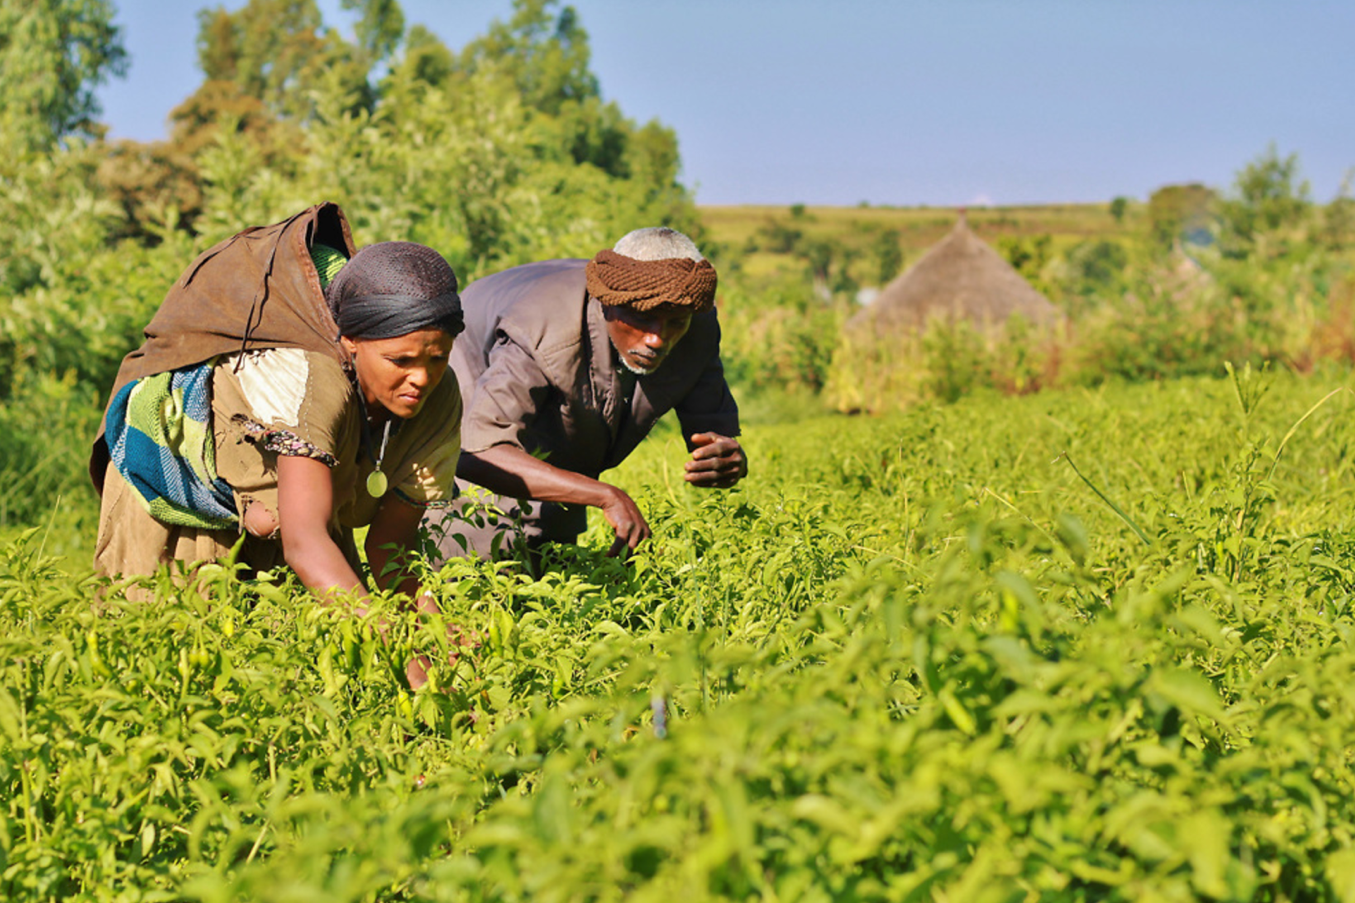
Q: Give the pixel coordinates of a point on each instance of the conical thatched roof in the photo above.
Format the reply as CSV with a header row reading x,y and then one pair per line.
x,y
959,278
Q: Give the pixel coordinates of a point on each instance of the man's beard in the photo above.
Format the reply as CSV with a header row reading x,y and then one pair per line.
x,y
638,371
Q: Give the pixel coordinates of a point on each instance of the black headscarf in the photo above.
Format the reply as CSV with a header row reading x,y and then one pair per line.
x,y
393,288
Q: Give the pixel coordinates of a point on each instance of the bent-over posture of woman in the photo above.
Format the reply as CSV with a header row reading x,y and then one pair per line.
x,y
285,395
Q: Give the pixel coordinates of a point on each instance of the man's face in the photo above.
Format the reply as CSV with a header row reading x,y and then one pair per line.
x,y
643,338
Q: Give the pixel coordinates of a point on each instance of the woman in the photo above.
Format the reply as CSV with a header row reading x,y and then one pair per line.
x,y
284,396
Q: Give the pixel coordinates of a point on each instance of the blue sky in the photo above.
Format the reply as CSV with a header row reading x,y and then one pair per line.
x,y
909,103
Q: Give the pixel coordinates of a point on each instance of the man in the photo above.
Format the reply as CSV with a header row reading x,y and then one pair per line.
x,y
564,367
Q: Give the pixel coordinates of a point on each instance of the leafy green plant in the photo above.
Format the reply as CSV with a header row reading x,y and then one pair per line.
x,y
912,655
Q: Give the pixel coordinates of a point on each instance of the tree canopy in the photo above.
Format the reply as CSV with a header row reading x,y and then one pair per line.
x,y
1268,197
53,54
497,152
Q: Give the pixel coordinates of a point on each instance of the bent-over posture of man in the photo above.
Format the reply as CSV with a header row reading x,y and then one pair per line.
x,y
564,367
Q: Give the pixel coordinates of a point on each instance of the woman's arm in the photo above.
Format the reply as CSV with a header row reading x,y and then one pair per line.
x,y
393,534
305,502
305,506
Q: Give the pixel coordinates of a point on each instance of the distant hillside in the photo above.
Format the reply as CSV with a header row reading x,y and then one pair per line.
x,y
765,240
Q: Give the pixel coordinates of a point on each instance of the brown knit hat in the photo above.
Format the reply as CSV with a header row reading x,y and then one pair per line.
x,y
646,284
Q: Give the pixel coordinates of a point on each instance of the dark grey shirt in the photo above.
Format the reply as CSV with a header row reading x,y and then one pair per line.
x,y
537,370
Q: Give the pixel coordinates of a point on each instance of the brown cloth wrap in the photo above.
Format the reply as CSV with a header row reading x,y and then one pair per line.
x,y
257,289
646,284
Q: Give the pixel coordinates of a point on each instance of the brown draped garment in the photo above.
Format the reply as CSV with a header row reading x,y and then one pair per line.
x,y
257,289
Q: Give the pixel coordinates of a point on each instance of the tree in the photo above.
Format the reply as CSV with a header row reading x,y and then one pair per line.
x,y
155,185
53,53
278,51
1267,197
1174,210
652,162
1095,267
196,121
446,152
1118,206
380,27
265,64
888,256
425,61
1338,225
1027,255
546,55
829,262
780,237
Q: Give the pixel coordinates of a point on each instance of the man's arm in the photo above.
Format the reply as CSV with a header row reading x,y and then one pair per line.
x,y
505,402
510,471
710,421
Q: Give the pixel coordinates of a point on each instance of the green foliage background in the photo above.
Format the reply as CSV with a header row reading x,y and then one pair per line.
x,y
1085,644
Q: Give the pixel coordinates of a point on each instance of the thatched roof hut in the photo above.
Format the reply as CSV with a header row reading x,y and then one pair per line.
x,y
960,278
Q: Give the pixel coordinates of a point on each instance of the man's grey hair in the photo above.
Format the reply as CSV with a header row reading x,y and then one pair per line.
x,y
657,243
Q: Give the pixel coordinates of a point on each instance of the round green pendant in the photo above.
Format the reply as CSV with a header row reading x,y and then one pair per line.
x,y
376,484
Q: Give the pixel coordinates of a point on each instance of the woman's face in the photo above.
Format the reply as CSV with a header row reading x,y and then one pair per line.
x,y
397,375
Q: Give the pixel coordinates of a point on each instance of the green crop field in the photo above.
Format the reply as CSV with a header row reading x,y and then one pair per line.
x,y
1081,645
1065,615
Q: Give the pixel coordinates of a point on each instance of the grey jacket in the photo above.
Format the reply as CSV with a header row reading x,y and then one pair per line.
x,y
537,370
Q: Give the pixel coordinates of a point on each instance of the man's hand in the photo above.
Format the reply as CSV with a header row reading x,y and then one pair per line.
x,y
626,519
718,462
